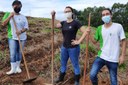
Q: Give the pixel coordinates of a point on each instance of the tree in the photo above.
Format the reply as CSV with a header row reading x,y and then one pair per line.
x,y
120,15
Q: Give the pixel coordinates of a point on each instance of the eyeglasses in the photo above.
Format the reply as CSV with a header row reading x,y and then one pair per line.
x,y
105,14
67,11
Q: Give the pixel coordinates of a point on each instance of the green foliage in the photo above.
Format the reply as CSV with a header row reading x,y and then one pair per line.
x,y
48,30
82,46
57,57
120,15
126,33
57,30
91,48
122,67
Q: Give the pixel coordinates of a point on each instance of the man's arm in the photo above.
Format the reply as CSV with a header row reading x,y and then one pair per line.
x,y
21,31
92,39
5,22
123,52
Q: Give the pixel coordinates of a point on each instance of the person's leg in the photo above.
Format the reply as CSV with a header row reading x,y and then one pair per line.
x,y
112,67
19,55
64,59
12,48
97,65
74,57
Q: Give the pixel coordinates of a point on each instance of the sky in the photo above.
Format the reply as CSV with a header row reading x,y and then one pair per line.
x,y
43,8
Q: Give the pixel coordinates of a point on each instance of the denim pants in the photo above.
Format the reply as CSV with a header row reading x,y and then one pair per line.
x,y
73,54
98,64
15,53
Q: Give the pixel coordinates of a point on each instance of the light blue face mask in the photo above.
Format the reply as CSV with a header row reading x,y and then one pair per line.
x,y
106,19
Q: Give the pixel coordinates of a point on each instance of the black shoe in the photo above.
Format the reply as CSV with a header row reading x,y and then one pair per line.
x,y
61,77
76,83
94,83
77,79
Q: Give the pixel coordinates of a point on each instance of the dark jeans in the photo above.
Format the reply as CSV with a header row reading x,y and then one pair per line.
x,y
98,64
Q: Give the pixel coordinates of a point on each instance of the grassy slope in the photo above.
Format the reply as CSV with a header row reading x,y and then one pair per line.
x,y
38,28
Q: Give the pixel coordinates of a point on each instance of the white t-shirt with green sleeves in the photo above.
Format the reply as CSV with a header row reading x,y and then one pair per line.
x,y
21,23
109,39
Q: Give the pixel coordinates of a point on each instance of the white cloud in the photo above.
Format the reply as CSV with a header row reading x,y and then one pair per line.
x,y
42,8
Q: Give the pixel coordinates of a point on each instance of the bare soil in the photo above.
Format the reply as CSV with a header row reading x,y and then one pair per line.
x,y
38,55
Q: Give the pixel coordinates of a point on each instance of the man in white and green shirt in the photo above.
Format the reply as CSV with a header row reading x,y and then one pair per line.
x,y
22,26
109,35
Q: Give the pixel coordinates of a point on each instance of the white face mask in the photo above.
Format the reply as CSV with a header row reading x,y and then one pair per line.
x,y
106,19
68,15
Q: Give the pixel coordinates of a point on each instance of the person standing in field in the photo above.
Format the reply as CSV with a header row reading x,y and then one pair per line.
x,y
110,35
22,25
70,47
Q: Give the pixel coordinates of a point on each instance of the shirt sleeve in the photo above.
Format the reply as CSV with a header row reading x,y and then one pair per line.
x,y
26,23
97,33
78,25
6,15
121,33
62,22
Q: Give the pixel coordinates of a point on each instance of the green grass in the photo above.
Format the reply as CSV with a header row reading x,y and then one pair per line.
x,y
122,67
36,21
57,57
93,29
91,48
82,46
57,30
3,56
48,30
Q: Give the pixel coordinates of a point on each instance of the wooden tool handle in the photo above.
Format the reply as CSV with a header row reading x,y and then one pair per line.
x,y
86,57
53,19
26,67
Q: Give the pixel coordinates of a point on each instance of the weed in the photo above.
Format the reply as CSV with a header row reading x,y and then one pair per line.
x,y
3,55
57,57
91,48
122,67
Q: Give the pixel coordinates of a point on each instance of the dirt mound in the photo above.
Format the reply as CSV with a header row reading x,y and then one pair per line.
x,y
38,55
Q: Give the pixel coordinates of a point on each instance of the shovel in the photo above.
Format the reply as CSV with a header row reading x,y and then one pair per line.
x,y
26,67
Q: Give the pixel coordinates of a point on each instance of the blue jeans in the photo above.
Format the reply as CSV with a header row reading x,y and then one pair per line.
x,y
98,64
73,54
15,53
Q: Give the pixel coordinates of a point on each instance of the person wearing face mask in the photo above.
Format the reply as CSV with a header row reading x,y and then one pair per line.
x,y
70,47
110,35
22,26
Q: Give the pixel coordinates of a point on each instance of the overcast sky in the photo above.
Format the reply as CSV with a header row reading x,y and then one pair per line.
x,y
42,8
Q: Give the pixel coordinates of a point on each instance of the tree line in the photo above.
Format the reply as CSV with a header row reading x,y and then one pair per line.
x,y
119,11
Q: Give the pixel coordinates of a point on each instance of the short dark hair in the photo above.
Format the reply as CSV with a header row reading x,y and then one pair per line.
x,y
70,8
16,2
108,10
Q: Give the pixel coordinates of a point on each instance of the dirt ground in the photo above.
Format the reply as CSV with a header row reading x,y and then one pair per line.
x,y
38,55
